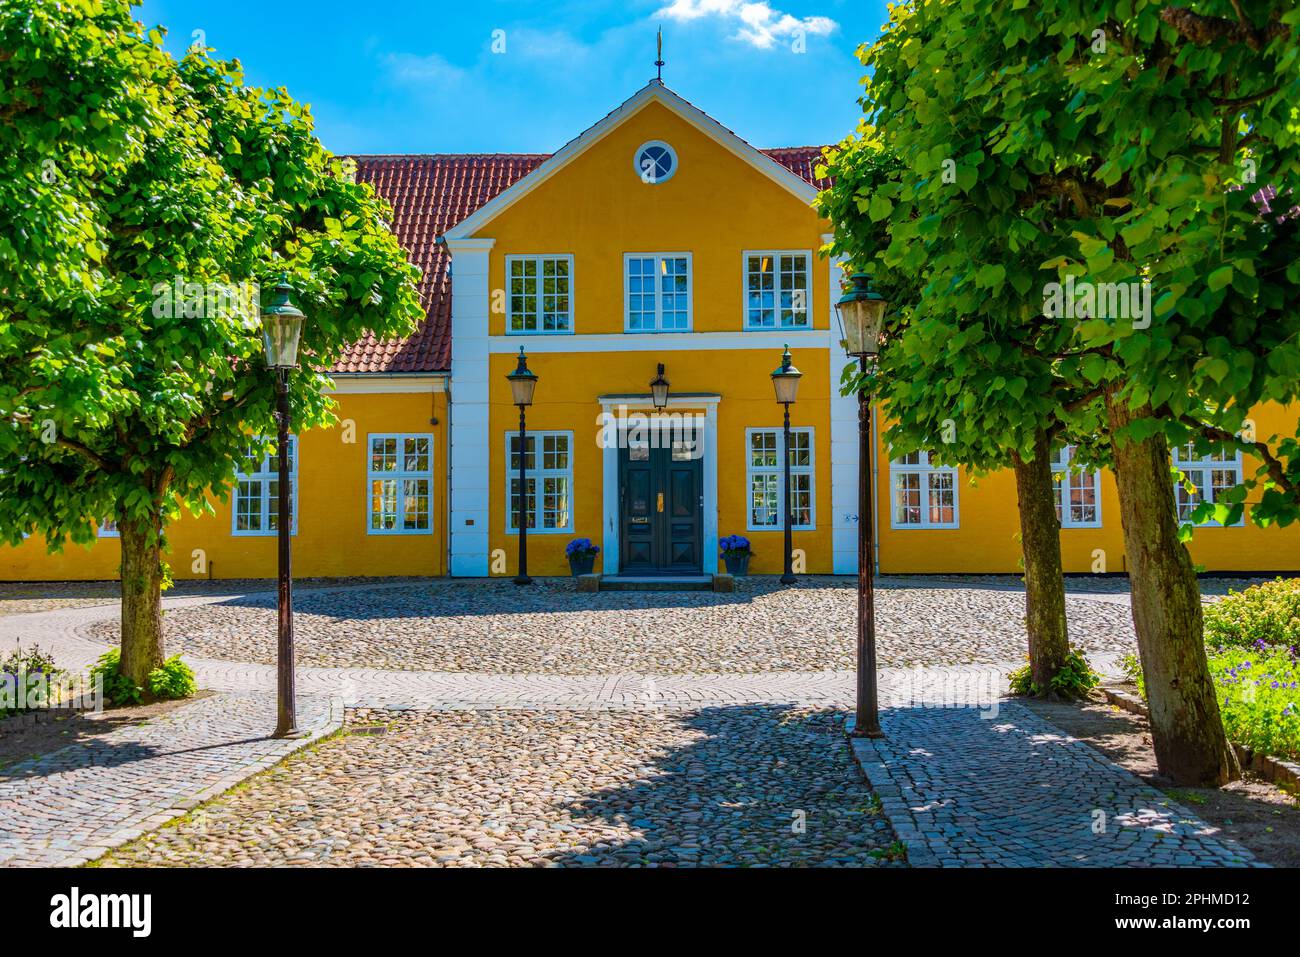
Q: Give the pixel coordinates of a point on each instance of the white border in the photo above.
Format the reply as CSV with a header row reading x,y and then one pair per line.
x,y
808,290
640,173
398,476
514,473
295,505
609,472
1067,469
538,257
810,469
925,470
690,295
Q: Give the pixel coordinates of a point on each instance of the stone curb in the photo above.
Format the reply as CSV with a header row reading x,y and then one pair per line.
x,y
184,805
1285,774
873,768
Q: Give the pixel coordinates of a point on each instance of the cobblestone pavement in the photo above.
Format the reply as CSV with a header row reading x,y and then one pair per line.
x,y
637,768
739,786
963,789
493,626
69,806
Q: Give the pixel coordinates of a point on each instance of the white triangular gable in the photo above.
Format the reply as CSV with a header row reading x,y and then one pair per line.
x,y
653,92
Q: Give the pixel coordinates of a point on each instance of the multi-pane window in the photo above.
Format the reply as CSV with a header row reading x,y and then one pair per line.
x,y
776,290
1209,473
658,292
108,529
766,475
401,485
257,493
540,293
923,495
1078,492
548,461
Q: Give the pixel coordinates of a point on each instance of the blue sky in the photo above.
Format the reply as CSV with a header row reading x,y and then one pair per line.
x,y
401,76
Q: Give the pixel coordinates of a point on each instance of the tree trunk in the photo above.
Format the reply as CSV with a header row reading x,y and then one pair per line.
x,y
1040,536
1186,727
142,576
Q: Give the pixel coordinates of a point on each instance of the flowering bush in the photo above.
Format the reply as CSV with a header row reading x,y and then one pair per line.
x,y
1259,695
580,548
1269,613
735,545
35,670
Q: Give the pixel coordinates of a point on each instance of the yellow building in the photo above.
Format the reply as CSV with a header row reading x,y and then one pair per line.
x,y
656,237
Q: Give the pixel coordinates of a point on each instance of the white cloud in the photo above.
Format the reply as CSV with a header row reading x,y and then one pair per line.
x,y
410,68
756,22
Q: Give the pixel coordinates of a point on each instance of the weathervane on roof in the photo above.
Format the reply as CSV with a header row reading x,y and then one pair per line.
x,y
659,63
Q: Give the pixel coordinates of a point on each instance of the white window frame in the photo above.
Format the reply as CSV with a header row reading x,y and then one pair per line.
x,y
400,476
1207,465
925,470
538,475
539,259
1071,477
640,172
108,529
776,254
810,470
659,311
265,476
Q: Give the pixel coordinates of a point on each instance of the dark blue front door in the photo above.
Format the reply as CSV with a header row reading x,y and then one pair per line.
x,y
660,507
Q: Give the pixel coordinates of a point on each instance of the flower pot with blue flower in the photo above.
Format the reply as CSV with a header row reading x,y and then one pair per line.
x,y
736,554
582,556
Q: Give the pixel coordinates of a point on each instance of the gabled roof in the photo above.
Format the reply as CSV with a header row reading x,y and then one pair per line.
x,y
652,92
435,195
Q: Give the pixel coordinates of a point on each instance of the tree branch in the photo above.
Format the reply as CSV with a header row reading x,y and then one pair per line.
x,y
1203,30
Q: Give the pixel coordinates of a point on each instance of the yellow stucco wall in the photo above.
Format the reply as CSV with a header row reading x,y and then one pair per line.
x,y
988,539
331,539
714,207
566,401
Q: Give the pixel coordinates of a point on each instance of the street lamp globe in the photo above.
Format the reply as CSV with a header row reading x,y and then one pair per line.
x,y
281,327
861,312
785,379
523,382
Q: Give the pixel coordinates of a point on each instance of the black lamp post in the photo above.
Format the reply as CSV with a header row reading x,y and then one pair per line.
x,y
523,382
281,330
785,380
861,311
659,389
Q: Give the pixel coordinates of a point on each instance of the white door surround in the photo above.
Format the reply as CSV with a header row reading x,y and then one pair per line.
x,y
609,405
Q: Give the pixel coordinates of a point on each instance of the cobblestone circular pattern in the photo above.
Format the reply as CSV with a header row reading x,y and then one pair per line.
x,y
496,627
741,786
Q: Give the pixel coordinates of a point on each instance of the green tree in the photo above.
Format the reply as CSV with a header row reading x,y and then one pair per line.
x,y
141,200
1104,162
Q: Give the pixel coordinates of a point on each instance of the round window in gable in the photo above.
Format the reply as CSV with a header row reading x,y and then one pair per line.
x,y
655,162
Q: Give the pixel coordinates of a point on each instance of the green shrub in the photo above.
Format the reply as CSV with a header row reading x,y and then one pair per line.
x,y
1131,665
173,680
118,688
1074,680
1259,696
1268,613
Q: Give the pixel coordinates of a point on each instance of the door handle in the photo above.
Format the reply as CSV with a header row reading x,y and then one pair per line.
x,y
661,501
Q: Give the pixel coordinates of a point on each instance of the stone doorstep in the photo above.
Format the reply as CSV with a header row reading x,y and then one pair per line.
x,y
184,806
1285,774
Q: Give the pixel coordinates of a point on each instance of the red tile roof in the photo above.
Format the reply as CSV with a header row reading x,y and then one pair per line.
x,y
430,194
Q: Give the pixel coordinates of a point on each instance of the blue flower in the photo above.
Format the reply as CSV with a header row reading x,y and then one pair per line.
x,y
581,546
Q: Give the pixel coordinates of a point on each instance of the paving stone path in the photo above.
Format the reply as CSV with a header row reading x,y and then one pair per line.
x,y
69,806
965,776
965,789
